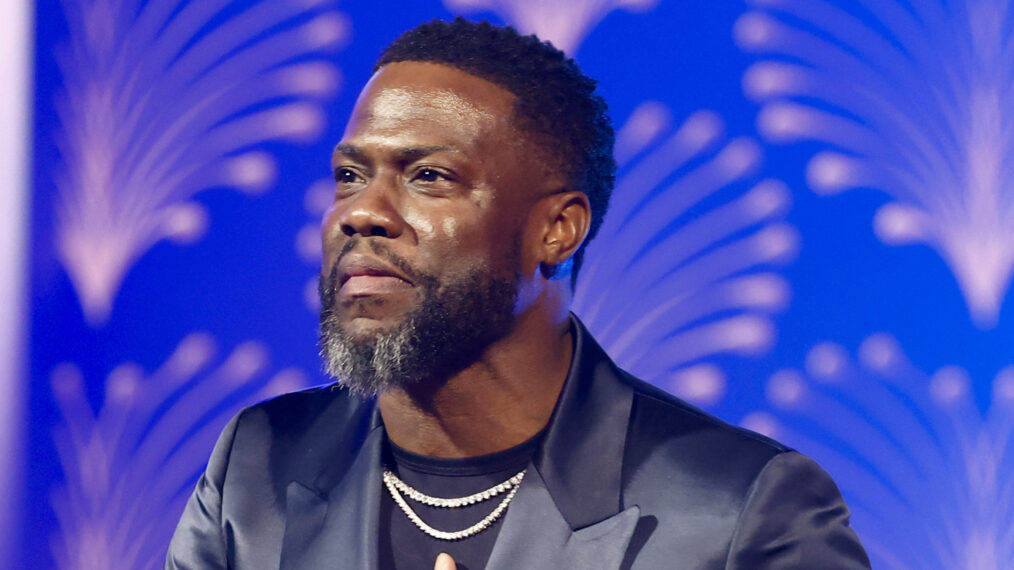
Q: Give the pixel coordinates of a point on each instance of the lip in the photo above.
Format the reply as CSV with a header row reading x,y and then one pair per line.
x,y
360,274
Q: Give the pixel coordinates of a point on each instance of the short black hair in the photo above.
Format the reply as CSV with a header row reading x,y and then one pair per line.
x,y
556,102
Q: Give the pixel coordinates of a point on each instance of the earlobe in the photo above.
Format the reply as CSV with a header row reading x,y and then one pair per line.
x,y
557,271
548,270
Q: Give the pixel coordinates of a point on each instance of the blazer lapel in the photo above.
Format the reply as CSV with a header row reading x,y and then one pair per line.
x,y
581,458
536,536
569,511
336,527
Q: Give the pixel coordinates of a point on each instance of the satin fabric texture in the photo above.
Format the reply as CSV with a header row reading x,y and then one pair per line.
x,y
627,477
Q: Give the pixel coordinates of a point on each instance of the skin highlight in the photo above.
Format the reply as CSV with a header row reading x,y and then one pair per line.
x,y
431,165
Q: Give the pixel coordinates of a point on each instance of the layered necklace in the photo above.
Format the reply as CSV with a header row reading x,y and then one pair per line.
x,y
399,490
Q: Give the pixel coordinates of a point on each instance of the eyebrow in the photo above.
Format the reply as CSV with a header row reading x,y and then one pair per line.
x,y
407,154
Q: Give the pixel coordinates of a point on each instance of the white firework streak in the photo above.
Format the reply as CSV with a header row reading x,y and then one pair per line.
x,y
130,467
158,107
661,299
925,473
914,100
564,23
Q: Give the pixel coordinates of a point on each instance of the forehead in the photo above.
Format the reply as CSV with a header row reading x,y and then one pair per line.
x,y
438,98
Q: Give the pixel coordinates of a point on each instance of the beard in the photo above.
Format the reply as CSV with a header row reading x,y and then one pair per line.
x,y
453,323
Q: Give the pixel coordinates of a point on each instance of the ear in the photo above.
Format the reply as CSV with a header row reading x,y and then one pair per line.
x,y
568,217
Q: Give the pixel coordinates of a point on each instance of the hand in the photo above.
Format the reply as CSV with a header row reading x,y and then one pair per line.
x,y
444,562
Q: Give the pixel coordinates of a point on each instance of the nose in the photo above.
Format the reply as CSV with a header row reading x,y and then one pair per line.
x,y
372,212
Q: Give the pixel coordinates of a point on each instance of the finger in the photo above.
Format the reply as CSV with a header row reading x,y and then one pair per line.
x,y
444,562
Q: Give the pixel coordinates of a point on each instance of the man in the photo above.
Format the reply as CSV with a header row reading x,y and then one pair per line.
x,y
474,418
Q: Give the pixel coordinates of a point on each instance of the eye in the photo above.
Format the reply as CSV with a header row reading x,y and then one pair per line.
x,y
429,175
344,175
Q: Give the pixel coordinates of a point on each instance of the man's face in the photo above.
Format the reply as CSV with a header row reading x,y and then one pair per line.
x,y
425,243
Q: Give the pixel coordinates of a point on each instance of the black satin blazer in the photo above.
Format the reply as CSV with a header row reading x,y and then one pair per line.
x,y
626,477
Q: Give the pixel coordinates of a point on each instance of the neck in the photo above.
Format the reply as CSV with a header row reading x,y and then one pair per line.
x,y
501,400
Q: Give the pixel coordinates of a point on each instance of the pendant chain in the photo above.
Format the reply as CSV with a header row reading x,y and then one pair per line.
x,y
396,487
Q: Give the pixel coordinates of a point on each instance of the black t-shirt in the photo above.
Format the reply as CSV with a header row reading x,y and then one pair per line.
x,y
403,546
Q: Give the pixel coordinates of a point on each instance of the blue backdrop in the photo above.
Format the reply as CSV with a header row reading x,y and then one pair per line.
x,y
812,235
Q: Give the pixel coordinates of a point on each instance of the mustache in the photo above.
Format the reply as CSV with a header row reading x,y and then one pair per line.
x,y
327,287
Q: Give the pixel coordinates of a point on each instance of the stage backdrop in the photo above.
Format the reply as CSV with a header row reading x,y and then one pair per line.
x,y
812,235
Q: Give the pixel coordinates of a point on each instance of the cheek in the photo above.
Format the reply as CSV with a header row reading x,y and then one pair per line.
x,y
453,244
449,227
331,238
421,224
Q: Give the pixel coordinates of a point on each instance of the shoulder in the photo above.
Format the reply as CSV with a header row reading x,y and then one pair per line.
x,y
293,436
673,443
661,419
296,413
242,493
719,493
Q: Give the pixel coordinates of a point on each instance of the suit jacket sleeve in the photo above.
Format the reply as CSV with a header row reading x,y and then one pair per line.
x,y
795,517
200,538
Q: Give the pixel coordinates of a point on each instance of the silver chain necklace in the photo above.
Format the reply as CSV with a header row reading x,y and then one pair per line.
x,y
396,487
